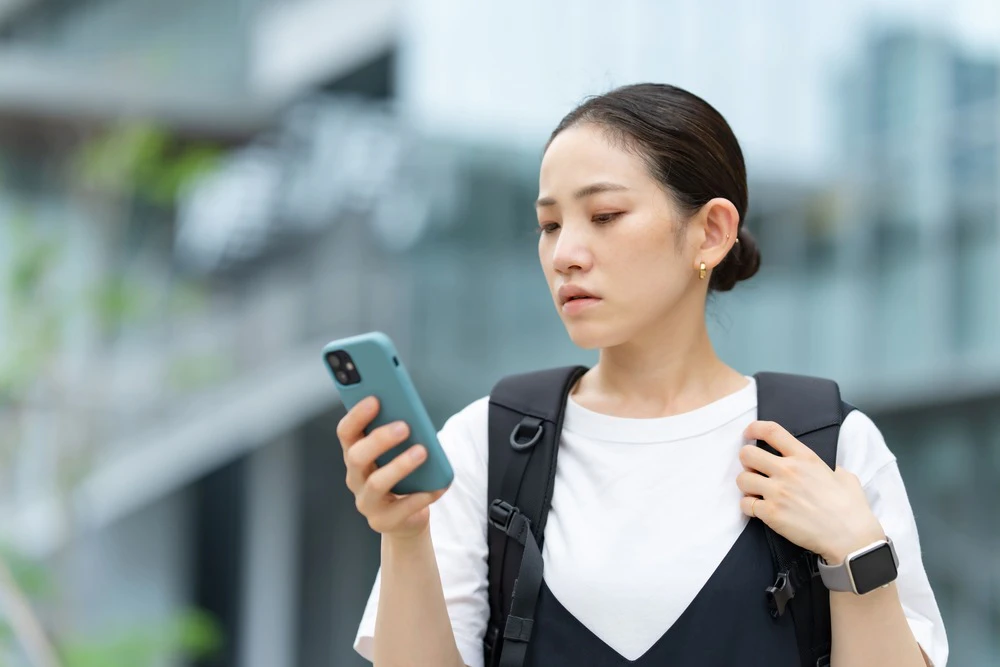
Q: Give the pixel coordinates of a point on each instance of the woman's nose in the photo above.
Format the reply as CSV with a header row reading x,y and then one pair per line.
x,y
571,253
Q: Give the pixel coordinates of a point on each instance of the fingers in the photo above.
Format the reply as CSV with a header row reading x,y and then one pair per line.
x,y
401,510
360,457
758,509
775,435
755,458
364,452
351,428
372,485
378,486
754,484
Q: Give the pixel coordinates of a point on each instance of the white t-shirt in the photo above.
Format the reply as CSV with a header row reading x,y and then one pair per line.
x,y
645,482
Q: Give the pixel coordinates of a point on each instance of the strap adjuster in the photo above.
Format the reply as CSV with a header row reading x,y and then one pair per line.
x,y
518,629
509,520
780,594
501,514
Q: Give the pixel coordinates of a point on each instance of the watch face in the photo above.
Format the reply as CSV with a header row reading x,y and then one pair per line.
x,y
873,569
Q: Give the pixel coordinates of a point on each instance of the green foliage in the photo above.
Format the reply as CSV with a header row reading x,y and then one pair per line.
x,y
31,264
137,161
116,300
32,577
187,297
141,159
33,318
196,371
187,634
190,635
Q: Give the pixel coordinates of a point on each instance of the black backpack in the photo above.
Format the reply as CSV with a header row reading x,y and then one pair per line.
x,y
525,420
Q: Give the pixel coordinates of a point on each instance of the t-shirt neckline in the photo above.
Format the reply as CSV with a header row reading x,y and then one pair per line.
x,y
582,421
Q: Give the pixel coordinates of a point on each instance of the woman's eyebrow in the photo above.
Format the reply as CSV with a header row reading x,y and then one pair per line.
x,y
585,191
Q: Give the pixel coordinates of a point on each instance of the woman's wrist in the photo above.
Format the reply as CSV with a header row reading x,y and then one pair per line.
x,y
406,541
847,542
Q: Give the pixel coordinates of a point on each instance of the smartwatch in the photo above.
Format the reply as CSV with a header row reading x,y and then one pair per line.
x,y
862,571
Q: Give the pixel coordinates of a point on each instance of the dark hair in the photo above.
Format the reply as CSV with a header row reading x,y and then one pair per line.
x,y
689,148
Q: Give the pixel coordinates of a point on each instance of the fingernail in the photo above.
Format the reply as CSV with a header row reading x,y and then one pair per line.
x,y
417,453
399,428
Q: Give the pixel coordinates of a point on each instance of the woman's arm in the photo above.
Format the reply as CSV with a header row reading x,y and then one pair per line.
x,y
412,623
429,605
412,628
871,629
827,512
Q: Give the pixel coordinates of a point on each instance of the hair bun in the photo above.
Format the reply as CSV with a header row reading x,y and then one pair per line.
x,y
741,263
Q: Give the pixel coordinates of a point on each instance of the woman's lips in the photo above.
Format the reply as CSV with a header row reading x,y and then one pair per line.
x,y
576,306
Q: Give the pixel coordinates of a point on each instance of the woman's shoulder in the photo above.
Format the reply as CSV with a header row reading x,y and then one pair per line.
x,y
464,435
861,447
474,415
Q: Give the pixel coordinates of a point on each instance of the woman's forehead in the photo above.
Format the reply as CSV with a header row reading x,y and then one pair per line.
x,y
584,154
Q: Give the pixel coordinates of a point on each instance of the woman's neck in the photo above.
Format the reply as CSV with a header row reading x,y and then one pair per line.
x,y
662,374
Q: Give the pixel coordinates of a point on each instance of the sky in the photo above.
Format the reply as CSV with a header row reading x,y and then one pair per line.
x,y
508,71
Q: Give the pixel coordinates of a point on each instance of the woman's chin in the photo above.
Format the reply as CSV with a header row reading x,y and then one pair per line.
x,y
593,335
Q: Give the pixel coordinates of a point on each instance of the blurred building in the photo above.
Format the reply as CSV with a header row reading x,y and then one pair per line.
x,y
353,194
922,152
921,230
220,67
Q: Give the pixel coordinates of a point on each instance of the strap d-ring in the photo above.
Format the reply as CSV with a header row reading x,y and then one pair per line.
x,y
527,423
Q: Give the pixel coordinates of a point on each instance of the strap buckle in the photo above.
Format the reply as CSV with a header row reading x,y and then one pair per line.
x,y
501,514
780,594
526,423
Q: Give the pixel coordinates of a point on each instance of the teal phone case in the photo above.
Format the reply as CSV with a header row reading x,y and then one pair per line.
x,y
384,376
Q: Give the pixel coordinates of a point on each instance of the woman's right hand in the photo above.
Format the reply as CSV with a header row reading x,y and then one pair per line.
x,y
387,513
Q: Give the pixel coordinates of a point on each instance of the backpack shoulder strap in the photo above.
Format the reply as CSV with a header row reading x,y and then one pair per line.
x,y
525,421
807,407
811,410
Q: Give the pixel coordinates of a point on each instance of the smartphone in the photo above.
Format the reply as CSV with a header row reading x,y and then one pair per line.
x,y
368,365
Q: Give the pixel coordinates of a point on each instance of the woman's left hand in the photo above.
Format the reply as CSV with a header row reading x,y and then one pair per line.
x,y
800,498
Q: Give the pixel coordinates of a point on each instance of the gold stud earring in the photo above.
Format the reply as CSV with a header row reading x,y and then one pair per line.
x,y
702,271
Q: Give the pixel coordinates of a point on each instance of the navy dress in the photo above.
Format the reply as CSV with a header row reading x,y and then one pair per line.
x,y
726,625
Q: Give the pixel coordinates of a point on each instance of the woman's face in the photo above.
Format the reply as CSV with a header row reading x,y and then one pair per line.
x,y
609,230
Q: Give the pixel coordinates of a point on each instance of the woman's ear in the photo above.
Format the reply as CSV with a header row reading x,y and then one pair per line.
x,y
719,221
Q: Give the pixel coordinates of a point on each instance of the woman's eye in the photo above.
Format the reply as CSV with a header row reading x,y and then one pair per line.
x,y
604,218
548,227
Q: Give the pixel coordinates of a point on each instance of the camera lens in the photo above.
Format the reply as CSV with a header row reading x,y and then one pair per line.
x,y
334,361
342,376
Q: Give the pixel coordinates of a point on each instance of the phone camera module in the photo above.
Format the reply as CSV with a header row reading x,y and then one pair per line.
x,y
344,368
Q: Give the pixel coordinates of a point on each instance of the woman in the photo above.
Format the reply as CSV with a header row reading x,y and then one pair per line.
x,y
642,194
